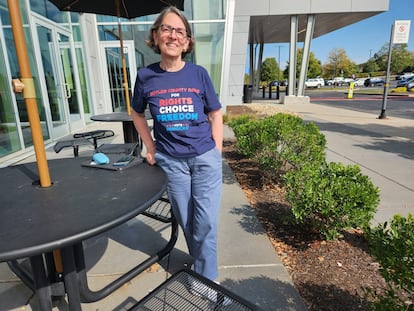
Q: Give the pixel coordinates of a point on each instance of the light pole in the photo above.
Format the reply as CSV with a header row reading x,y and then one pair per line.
x,y
278,64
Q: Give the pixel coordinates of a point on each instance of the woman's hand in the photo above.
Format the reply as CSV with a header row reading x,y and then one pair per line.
x,y
141,125
150,156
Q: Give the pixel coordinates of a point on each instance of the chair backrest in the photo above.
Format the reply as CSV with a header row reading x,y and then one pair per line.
x,y
84,138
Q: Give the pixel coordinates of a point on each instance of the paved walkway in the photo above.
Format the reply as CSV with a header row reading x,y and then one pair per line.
x,y
248,264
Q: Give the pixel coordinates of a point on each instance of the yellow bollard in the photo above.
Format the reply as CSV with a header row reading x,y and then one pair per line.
x,y
351,90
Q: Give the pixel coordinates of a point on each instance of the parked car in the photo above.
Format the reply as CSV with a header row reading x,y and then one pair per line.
x,y
374,82
359,82
410,86
337,81
404,76
405,82
348,81
315,82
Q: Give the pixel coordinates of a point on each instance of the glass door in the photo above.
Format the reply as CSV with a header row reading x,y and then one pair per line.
x,y
65,114
115,96
69,84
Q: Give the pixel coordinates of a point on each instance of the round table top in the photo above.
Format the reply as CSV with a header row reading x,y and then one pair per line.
x,y
82,202
117,117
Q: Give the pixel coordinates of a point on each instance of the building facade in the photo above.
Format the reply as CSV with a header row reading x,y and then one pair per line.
x,y
75,59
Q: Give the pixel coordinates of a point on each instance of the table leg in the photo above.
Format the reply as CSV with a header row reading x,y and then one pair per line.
x,y
22,274
43,290
70,275
130,133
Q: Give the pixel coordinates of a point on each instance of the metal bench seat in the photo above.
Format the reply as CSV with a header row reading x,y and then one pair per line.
x,y
187,290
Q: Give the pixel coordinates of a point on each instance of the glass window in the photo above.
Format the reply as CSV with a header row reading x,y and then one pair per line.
x,y
138,33
49,10
209,35
9,136
205,10
21,105
208,48
15,72
208,52
76,32
83,82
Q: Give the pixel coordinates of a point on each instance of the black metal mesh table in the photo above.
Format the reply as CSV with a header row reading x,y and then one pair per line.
x,y
187,290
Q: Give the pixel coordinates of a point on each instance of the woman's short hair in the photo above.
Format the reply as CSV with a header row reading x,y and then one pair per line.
x,y
157,23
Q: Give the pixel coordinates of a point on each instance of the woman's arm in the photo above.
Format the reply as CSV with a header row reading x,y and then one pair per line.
x,y
216,122
144,132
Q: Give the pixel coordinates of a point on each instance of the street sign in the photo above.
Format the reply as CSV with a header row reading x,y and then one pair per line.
x,y
401,31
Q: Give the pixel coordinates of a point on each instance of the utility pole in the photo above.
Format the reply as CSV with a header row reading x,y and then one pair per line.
x,y
278,64
387,79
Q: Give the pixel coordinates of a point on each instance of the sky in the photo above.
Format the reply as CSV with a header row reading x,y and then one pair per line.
x,y
360,40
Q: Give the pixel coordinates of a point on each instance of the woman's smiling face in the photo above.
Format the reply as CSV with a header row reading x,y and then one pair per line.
x,y
171,37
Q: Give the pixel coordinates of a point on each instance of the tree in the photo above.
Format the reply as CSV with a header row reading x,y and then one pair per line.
x,y
370,66
339,64
314,66
401,58
269,70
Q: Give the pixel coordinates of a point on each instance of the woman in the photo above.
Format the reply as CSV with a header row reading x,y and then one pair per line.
x,y
188,131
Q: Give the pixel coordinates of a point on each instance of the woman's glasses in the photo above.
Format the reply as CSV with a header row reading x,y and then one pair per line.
x,y
181,33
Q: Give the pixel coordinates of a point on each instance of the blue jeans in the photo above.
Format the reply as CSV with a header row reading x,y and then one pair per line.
x,y
194,190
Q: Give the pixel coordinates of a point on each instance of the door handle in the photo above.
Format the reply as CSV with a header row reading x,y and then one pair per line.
x,y
68,92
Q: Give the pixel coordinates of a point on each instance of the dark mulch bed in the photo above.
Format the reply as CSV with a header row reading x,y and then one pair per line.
x,y
329,275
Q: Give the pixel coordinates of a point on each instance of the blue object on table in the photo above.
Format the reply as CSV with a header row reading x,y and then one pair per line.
x,y
100,158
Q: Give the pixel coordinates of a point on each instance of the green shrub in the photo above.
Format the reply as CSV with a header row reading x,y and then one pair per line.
x,y
393,247
280,142
331,197
247,134
240,120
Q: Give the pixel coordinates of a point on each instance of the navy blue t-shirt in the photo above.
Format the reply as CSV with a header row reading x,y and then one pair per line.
x,y
179,103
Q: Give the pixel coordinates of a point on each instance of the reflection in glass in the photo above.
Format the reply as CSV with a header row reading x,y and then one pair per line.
x,y
15,72
116,78
49,69
70,91
209,49
48,10
9,136
83,82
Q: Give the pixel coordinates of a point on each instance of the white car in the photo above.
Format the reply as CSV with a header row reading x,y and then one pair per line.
x,y
359,82
315,82
406,75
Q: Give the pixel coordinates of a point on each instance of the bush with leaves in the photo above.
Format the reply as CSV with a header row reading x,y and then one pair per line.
x,y
279,143
393,247
331,197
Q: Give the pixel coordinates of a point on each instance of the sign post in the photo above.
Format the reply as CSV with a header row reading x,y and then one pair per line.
x,y
400,32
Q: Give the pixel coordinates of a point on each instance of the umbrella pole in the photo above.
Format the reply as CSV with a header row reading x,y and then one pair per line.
x,y
124,70
29,93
